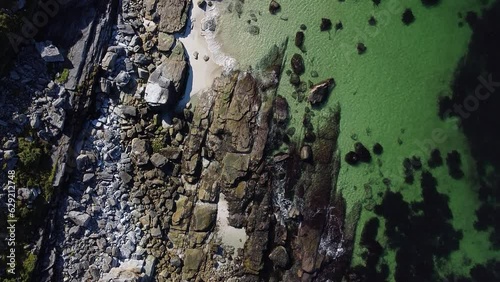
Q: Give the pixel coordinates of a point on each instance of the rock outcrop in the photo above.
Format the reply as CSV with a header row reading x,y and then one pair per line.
x,y
166,84
172,13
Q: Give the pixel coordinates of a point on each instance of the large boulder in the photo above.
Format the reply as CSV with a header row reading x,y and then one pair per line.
x,y
320,91
280,109
297,63
166,84
173,15
79,218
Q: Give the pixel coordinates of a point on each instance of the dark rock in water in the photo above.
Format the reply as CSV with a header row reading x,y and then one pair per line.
x,y
280,109
202,4
253,30
376,2
362,152
361,48
326,24
310,137
320,91
294,79
372,21
298,64
487,272
436,159
274,7
303,27
416,163
408,17
369,233
408,171
445,103
299,39
351,158
409,178
454,163
339,26
407,164
378,149
429,3
471,18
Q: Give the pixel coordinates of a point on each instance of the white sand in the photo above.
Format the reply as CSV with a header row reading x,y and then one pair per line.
x,y
203,73
229,235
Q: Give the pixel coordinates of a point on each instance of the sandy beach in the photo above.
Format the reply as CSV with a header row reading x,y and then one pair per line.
x,y
229,235
203,72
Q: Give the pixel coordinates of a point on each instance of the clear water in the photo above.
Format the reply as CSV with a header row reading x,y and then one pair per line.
x,y
387,95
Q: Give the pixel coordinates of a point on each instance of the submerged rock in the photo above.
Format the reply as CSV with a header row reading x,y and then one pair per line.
x,y
361,48
326,24
351,158
202,4
298,64
299,39
305,153
436,159
362,152
320,91
280,109
208,24
454,163
294,79
274,7
429,3
378,149
408,17
253,30
339,26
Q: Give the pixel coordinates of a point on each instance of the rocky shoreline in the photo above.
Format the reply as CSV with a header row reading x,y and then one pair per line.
x,y
140,190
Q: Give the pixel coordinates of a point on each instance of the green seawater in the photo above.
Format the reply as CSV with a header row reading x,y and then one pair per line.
x,y
387,95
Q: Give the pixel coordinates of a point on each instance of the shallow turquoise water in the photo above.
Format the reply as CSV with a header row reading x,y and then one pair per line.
x,y
387,95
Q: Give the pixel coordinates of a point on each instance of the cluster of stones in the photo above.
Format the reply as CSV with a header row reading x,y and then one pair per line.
x,y
121,199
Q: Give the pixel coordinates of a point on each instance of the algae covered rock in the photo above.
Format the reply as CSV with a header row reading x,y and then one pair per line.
x,y
166,84
297,63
